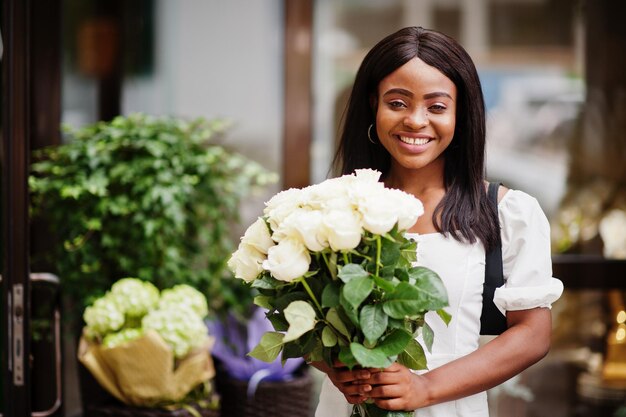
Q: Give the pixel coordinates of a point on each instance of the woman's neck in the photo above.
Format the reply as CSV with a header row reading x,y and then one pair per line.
x,y
419,182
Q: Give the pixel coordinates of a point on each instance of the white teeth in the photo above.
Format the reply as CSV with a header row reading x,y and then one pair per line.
x,y
414,141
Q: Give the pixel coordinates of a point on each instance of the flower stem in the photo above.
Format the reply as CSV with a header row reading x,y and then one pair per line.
x,y
378,250
331,269
308,290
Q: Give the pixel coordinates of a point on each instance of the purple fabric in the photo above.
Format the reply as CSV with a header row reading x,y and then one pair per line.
x,y
233,341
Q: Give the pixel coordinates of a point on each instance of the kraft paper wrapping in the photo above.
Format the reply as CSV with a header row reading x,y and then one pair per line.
x,y
143,372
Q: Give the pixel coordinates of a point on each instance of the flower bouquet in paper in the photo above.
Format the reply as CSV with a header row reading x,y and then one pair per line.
x,y
149,348
333,267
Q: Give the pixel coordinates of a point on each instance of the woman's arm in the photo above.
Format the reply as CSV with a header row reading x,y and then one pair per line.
x,y
526,341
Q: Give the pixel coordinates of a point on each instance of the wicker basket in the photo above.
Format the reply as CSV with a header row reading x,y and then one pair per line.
x,y
271,399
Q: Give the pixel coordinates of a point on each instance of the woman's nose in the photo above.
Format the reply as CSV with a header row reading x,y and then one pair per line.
x,y
416,119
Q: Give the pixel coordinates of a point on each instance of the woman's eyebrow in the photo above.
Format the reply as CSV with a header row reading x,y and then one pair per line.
x,y
408,93
438,94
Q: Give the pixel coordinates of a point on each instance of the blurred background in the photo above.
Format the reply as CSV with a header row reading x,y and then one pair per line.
x,y
279,71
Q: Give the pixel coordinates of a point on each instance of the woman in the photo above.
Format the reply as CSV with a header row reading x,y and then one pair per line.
x,y
416,113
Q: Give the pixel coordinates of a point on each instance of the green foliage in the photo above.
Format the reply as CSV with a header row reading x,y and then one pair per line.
x,y
147,197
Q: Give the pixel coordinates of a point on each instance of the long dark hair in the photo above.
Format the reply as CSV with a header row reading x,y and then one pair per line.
x,y
464,212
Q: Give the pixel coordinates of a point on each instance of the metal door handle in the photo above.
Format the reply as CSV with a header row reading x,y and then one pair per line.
x,y
53,280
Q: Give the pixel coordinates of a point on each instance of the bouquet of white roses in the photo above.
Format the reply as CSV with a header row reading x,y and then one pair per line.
x,y
335,270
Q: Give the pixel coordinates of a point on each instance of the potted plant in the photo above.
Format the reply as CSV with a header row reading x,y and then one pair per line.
x,y
141,196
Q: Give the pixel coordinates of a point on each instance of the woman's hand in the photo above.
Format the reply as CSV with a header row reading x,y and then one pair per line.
x,y
351,383
397,388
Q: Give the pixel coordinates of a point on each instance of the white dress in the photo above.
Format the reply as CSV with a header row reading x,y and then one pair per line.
x,y
528,284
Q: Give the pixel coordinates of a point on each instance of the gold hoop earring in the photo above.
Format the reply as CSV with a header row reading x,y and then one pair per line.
x,y
369,130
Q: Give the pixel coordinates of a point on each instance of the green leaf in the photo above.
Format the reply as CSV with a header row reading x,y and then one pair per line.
x,y
269,347
281,302
330,295
395,343
351,271
373,321
369,358
263,301
266,282
357,290
384,284
278,322
404,301
329,338
346,357
350,312
429,337
407,300
409,252
445,316
332,316
432,287
390,252
301,318
413,356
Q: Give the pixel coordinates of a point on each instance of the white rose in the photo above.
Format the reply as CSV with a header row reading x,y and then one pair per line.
x,y
304,226
258,236
246,263
408,208
380,213
367,175
343,229
317,196
288,260
281,205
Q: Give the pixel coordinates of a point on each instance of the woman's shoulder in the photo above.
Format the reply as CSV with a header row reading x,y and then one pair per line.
x,y
518,210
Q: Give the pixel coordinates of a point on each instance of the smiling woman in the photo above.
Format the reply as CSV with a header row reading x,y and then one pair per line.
x,y
421,90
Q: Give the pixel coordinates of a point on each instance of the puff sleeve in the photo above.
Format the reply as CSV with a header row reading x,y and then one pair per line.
x,y
527,264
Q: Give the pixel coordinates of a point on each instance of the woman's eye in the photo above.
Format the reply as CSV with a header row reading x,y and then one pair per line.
x,y
437,108
396,104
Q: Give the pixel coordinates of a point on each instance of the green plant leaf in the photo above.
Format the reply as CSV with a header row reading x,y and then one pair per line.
x,y
413,356
329,338
330,295
433,290
269,347
301,318
263,301
429,337
385,284
445,316
395,342
346,357
357,290
332,316
278,322
351,271
373,321
404,301
369,358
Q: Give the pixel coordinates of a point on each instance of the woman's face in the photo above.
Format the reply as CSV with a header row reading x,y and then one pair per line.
x,y
416,114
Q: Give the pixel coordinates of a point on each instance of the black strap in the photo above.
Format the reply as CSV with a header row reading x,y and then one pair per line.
x,y
492,321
